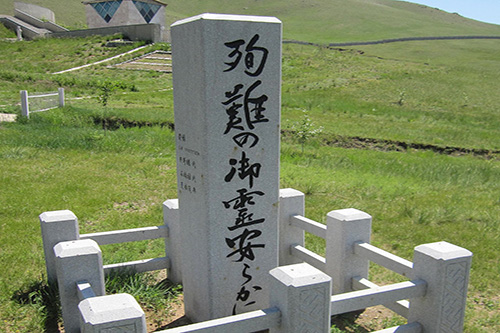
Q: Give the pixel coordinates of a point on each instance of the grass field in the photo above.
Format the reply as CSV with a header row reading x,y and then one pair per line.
x,y
430,94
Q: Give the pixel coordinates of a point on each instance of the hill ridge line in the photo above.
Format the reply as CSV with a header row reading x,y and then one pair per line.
x,y
391,40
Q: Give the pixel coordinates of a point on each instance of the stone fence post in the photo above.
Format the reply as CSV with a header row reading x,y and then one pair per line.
x,y
76,261
302,293
345,227
57,226
60,93
25,109
445,267
173,243
292,202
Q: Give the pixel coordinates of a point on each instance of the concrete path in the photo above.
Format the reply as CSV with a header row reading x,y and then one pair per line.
x,y
101,61
7,117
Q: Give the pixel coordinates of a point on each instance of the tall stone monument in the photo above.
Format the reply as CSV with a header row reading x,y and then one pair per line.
x,y
227,77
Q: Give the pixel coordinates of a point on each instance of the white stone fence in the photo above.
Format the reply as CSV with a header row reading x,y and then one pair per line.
x,y
41,102
307,289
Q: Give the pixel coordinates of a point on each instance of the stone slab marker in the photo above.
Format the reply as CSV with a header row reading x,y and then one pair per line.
x,y
227,73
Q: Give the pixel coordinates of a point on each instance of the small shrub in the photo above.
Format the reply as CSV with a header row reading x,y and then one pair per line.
x,y
305,129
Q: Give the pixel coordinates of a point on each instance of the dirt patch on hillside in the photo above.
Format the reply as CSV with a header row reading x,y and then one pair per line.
x,y
114,123
391,145
356,142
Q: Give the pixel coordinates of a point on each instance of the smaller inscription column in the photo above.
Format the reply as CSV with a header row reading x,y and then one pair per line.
x,y
227,78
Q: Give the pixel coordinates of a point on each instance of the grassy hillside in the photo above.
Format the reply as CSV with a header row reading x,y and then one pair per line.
x,y
324,21
328,21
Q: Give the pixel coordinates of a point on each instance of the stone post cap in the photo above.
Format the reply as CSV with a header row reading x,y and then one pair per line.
x,y
299,275
290,192
109,308
76,248
348,214
228,17
171,203
443,251
57,216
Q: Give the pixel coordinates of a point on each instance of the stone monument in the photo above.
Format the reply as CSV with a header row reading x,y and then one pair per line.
x,y
227,77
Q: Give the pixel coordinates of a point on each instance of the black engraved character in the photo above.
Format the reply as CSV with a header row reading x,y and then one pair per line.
x,y
233,109
246,137
254,114
243,294
254,63
235,45
244,170
242,199
247,276
244,246
250,57
244,220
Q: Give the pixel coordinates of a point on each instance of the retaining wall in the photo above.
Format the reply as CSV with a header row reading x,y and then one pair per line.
x,y
146,32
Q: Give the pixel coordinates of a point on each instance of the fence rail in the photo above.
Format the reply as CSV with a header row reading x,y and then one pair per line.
x,y
385,259
138,266
127,235
259,320
44,95
400,307
361,299
309,256
308,225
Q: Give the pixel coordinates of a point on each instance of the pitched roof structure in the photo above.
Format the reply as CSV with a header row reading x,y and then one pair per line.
x,y
148,1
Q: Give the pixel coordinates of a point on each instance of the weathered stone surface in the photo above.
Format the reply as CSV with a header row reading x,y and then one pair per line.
x,y
76,261
302,293
112,313
227,72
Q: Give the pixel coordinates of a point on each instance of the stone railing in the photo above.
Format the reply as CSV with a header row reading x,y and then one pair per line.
x,y
432,301
41,102
305,290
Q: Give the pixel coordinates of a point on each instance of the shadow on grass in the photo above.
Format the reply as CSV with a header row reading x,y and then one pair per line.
x,y
45,298
182,321
347,323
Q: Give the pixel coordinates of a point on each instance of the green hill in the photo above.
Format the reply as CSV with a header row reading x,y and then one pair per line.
x,y
324,21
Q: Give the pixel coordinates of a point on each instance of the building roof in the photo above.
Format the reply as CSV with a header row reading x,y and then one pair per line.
x,y
97,1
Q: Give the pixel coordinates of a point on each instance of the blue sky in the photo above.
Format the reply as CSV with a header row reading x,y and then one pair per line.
x,y
481,10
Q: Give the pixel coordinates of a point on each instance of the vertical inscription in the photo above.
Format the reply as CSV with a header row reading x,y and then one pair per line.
x,y
187,165
245,107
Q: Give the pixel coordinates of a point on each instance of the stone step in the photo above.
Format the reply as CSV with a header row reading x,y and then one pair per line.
x,y
29,31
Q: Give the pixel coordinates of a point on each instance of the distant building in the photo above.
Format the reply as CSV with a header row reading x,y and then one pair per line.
x,y
111,13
